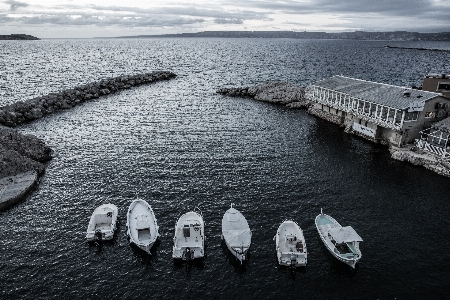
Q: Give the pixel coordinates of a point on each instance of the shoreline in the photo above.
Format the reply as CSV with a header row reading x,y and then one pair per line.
x,y
23,157
293,96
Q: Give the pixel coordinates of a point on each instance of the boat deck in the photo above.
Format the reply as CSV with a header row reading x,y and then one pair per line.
x,y
103,226
323,221
144,235
189,236
141,221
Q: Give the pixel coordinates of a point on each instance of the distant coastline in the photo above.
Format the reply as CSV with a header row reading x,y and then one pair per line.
x,y
419,48
356,35
18,37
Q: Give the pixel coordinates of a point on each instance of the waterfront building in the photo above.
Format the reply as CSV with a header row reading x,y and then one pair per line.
x,y
436,139
439,83
379,112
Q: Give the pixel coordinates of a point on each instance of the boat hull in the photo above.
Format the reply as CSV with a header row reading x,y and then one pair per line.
x,y
142,227
323,224
241,256
291,245
189,238
236,234
102,223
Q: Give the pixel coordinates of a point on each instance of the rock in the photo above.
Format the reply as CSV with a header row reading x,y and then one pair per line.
x,y
20,112
26,145
420,158
283,93
14,188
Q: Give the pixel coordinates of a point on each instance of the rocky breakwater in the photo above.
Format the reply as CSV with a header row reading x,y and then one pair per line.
x,y
22,159
32,109
283,93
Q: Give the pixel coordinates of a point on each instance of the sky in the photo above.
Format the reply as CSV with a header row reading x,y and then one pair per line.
x,y
109,18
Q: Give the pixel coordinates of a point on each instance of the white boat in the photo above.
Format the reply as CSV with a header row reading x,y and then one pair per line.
x,y
102,223
290,245
342,242
236,233
189,239
142,228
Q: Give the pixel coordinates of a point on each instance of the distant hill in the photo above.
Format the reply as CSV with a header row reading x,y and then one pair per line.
x,y
18,37
356,35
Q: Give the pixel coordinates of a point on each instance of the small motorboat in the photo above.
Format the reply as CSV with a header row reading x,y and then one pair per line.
x,y
142,228
291,245
102,223
189,239
236,233
342,242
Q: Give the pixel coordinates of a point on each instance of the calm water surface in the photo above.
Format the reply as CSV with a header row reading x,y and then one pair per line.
x,y
178,145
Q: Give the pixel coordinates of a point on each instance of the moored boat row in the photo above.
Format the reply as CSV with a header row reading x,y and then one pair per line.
x,y
189,237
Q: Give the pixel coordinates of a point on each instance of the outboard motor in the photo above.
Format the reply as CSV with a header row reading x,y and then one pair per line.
x,y
188,254
293,260
98,235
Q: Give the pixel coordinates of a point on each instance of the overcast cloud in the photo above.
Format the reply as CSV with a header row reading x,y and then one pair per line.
x,y
88,18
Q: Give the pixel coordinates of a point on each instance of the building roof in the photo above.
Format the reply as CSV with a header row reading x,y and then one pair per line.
x,y
384,94
443,125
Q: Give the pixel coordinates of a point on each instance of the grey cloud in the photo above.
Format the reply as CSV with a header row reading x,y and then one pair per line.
x,y
15,4
84,19
388,8
228,21
188,11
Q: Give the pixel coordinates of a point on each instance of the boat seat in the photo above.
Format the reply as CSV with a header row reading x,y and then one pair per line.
x,y
142,222
291,238
186,231
102,219
299,246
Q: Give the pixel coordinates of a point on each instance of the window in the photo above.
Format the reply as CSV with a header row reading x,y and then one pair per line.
x,y
430,114
384,111
412,116
391,115
398,117
443,86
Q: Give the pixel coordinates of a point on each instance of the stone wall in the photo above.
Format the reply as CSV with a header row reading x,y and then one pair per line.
x,y
32,109
333,118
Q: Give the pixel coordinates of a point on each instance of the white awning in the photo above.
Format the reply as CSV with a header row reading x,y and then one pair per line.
x,y
344,235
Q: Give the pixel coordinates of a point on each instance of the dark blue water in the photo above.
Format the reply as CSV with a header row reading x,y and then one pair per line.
x,y
178,145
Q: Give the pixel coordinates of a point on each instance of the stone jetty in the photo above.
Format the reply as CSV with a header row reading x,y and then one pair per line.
x,y
282,93
32,109
23,156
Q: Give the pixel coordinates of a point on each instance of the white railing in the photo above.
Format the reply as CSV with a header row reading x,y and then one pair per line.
x,y
424,145
366,116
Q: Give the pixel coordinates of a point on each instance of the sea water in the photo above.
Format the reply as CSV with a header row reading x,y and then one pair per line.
x,y
180,146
